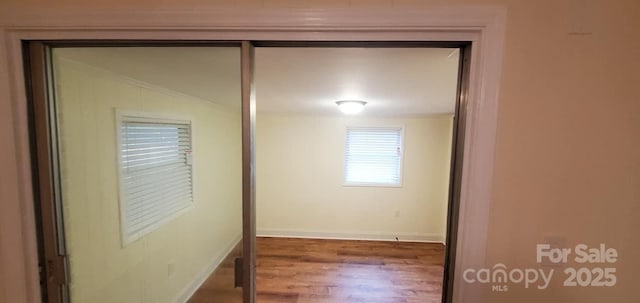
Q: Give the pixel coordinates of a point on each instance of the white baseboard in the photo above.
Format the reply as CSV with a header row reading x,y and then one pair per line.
x,y
202,276
378,236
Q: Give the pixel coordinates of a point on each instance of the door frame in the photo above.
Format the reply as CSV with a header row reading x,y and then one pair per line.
x,y
45,151
483,26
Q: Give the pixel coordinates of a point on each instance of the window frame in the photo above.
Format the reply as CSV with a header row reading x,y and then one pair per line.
x,y
400,184
122,116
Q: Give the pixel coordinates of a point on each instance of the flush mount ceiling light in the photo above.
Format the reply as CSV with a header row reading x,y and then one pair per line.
x,y
351,107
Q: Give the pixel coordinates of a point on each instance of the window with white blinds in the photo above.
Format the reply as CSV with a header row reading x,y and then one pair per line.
x,y
155,173
373,156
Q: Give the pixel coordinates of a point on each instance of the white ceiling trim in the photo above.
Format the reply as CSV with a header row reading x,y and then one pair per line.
x,y
454,19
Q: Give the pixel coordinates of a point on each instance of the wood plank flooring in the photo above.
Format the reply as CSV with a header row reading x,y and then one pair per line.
x,y
327,271
218,288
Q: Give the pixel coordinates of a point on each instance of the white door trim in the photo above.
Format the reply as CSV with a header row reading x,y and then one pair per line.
x,y
483,25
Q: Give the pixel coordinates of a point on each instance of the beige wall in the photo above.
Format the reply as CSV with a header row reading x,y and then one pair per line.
x,y
101,269
299,165
567,151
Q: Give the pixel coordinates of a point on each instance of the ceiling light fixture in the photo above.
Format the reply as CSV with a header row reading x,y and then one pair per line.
x,y
351,107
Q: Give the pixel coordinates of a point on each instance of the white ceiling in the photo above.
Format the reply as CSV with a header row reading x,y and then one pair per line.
x,y
394,81
212,74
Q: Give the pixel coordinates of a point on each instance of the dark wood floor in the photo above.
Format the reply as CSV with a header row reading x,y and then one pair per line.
x,y
218,288
327,271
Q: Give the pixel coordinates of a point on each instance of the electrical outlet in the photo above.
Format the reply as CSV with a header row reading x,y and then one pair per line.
x,y
397,214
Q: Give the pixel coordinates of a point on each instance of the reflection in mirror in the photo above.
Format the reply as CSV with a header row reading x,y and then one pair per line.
x,y
352,202
150,166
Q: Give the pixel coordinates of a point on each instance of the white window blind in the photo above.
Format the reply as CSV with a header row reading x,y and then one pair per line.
x,y
373,156
155,171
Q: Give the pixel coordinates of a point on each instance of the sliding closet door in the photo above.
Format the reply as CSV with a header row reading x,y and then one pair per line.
x,y
145,156
248,173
